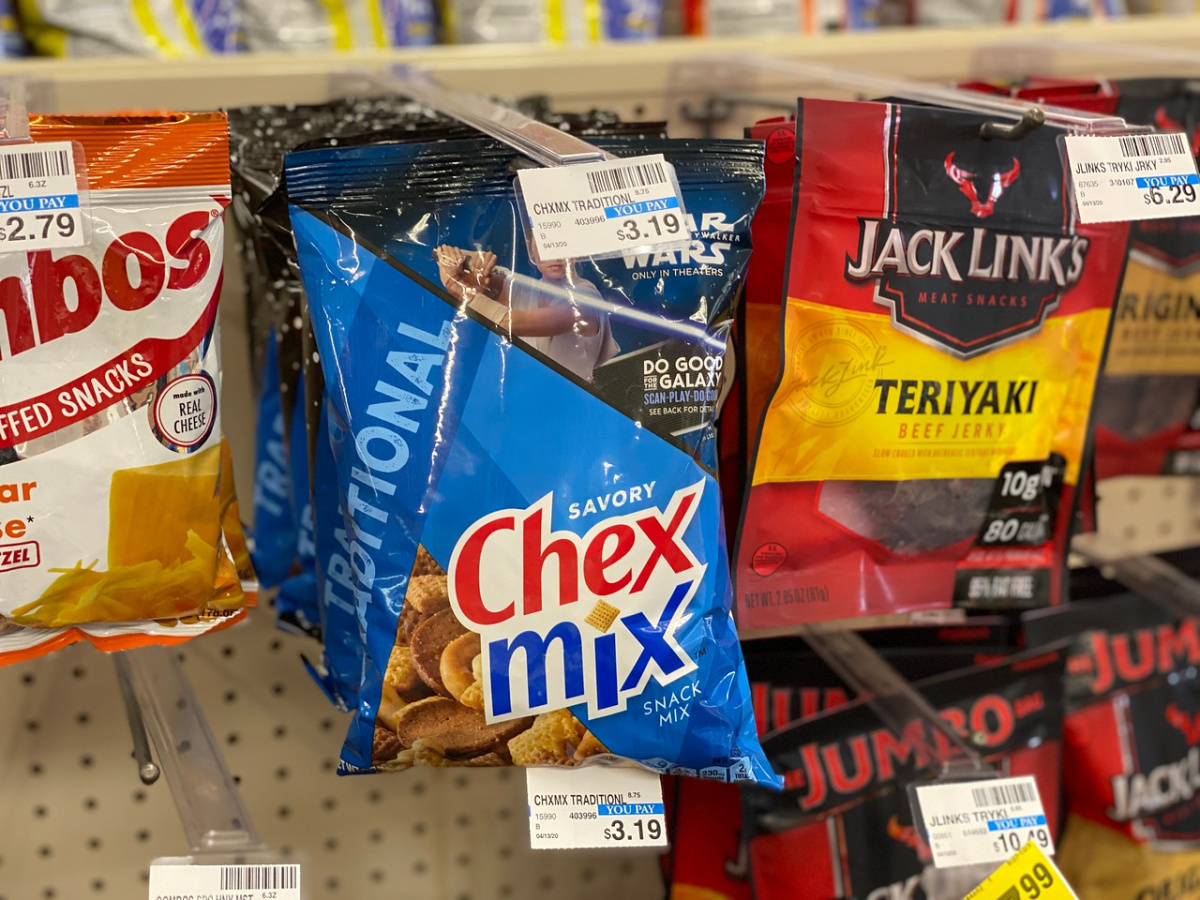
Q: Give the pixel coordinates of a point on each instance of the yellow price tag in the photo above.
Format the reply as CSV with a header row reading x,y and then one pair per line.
x,y
1027,875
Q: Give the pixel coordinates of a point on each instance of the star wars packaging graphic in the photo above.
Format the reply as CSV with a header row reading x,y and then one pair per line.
x,y
121,28
315,25
562,21
790,684
943,327
119,520
538,555
1148,402
1131,750
843,825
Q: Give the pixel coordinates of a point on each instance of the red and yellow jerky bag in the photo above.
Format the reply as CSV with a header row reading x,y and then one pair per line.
x,y
1131,750
119,523
943,327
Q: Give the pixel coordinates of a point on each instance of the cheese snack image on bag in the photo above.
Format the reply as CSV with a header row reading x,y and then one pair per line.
x,y
1131,749
119,503
843,826
943,328
536,542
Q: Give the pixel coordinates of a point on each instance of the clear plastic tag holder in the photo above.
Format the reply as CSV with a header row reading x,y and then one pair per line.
x,y
14,132
1147,575
1064,56
160,702
773,75
543,144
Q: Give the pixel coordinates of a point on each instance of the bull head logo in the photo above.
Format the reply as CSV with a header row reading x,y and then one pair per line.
x,y
910,837
1188,725
1163,122
966,183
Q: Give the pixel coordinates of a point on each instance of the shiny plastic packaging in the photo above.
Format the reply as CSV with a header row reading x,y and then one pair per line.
x,y
122,525
169,28
843,826
535,22
315,25
942,332
1131,748
535,536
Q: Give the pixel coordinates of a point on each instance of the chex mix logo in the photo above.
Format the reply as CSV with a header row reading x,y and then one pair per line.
x,y
567,619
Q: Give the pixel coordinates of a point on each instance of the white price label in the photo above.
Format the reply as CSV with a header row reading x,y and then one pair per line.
x,y
273,882
40,206
595,806
604,208
1130,177
973,822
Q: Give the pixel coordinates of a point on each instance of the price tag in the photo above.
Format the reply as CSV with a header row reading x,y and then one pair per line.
x,y
1130,177
273,882
595,806
40,206
1028,875
605,208
973,822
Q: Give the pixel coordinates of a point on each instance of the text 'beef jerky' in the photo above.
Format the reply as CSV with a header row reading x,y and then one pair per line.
x,y
843,826
1131,749
944,323
532,520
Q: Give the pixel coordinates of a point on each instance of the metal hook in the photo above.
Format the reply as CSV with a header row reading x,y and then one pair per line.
x,y
148,770
1031,119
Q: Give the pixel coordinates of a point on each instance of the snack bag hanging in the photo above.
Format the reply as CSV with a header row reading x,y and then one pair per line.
x,y
493,432
124,28
120,518
943,329
843,827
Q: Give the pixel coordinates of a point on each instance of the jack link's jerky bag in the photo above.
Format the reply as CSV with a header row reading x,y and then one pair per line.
x,y
1148,403
843,827
538,556
116,485
1131,749
943,328
125,28
790,684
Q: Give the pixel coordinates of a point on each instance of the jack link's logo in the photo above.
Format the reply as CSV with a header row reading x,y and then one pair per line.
x,y
537,597
966,183
1188,725
910,837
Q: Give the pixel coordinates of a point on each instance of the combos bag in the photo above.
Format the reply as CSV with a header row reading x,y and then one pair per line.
x,y
118,506
536,545
843,826
943,328
1131,750
790,684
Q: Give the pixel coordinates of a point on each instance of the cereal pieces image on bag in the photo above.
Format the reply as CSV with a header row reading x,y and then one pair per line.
x,y
111,451
1131,748
843,826
943,326
538,552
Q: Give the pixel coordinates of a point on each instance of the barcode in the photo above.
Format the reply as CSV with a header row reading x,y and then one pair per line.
x,y
1153,144
35,164
260,878
605,181
1003,794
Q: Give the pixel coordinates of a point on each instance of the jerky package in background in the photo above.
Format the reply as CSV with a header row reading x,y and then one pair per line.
x,y
1131,749
790,684
1147,419
118,485
943,327
493,431
843,826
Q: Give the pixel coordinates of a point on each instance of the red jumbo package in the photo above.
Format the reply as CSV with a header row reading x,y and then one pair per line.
x,y
790,684
943,327
1131,749
843,826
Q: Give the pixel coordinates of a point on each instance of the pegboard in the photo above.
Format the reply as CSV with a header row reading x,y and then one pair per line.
x,y
79,824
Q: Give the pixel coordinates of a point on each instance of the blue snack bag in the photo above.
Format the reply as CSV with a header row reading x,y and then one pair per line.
x,y
525,457
274,518
296,607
